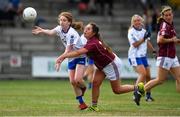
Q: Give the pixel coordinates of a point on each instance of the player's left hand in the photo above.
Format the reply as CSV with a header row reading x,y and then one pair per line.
x,y
59,60
57,66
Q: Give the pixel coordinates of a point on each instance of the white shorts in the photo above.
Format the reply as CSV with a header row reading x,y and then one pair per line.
x,y
167,63
113,70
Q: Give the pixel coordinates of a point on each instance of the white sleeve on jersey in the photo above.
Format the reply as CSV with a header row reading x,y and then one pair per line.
x,y
69,38
83,39
57,29
72,37
163,29
133,36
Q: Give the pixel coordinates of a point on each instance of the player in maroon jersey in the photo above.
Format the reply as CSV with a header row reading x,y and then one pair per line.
x,y
167,60
107,63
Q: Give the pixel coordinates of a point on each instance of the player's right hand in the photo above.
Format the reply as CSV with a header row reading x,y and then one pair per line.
x,y
37,30
59,60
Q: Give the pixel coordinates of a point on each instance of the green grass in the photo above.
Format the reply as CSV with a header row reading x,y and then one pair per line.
x,y
56,98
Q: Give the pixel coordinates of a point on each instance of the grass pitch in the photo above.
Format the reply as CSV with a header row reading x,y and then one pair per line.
x,y
56,98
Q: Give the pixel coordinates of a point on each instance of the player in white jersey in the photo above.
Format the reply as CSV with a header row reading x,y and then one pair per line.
x,y
139,40
71,40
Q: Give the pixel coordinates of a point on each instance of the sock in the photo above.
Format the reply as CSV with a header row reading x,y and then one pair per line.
x,y
89,85
148,94
80,99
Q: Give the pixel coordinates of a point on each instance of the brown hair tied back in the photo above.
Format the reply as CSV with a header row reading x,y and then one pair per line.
x,y
76,25
160,19
79,26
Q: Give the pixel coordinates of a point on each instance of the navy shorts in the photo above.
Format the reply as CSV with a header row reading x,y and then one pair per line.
x,y
72,64
90,61
139,61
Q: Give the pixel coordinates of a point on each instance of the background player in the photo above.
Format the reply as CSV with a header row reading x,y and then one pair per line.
x,y
167,60
139,40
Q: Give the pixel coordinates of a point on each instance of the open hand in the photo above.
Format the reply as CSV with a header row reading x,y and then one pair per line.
x,y
57,66
59,60
37,30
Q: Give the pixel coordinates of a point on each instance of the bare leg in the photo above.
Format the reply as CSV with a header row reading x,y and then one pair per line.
x,y
98,79
148,76
90,72
76,89
141,73
119,89
161,77
148,92
176,73
80,69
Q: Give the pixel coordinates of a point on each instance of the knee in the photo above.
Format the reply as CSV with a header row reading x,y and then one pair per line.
x,y
73,83
116,91
78,80
96,84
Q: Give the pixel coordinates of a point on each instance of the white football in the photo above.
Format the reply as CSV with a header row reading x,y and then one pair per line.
x,y
29,14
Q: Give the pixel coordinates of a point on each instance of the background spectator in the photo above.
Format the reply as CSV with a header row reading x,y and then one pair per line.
x,y
102,4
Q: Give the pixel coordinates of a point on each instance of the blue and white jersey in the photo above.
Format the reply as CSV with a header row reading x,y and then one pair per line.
x,y
71,37
83,39
133,36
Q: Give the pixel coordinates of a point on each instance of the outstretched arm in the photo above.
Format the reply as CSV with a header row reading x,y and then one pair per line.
x,y
38,30
72,54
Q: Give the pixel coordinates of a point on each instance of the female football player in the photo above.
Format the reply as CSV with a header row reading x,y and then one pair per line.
x,y
167,60
71,40
139,40
107,63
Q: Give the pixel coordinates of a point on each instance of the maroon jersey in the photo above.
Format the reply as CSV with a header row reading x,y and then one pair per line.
x,y
98,53
167,49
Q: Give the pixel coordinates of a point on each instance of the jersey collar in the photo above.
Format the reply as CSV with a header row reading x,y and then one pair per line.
x,y
137,28
66,31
